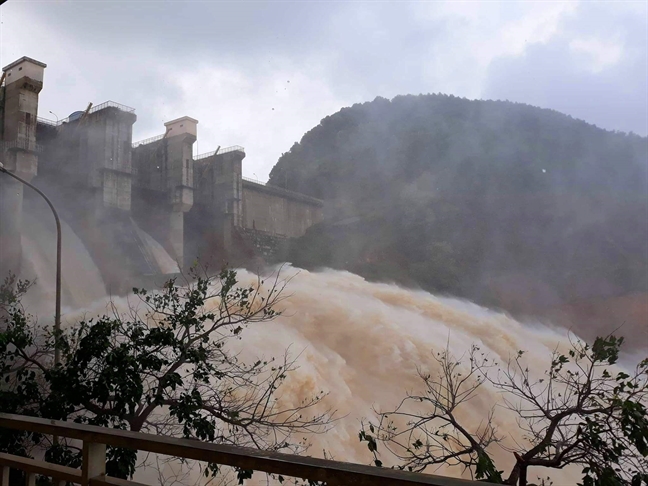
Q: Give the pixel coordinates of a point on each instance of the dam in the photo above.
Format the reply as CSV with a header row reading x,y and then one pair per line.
x,y
142,209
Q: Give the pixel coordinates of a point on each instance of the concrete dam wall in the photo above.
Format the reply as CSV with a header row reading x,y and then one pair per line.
x,y
136,206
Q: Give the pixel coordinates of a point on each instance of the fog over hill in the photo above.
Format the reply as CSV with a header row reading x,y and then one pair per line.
x,y
503,203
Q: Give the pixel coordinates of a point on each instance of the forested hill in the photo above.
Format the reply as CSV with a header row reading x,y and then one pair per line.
x,y
503,203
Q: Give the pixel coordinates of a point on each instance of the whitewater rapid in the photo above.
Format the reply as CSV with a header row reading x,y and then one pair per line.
x,y
363,342
360,342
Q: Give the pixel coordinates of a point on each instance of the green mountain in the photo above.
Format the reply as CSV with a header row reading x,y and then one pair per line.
x,y
503,203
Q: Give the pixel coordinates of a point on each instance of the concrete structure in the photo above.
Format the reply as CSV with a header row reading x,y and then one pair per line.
x,y
275,210
119,196
23,81
234,220
86,168
164,183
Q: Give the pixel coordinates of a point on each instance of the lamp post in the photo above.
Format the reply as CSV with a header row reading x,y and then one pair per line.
x,y
57,312
57,118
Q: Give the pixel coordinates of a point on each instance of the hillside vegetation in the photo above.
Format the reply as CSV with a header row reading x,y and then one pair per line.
x,y
503,203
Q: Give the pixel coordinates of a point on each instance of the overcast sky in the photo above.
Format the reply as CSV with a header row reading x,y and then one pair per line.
x,y
261,74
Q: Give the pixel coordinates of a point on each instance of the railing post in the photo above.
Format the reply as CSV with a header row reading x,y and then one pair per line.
x,y
30,479
94,462
4,476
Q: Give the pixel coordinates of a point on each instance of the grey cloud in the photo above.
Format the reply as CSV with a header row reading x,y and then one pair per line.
x,y
135,53
368,49
553,76
380,50
232,31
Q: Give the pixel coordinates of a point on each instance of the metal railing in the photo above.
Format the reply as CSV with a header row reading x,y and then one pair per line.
x,y
46,121
285,192
148,140
112,104
256,181
107,104
21,144
225,150
95,439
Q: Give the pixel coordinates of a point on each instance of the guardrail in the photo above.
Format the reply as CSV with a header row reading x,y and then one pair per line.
x,y
225,150
285,192
95,439
252,179
46,121
112,104
148,140
107,104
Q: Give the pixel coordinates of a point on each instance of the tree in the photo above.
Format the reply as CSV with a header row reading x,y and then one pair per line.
x,y
167,366
20,354
584,411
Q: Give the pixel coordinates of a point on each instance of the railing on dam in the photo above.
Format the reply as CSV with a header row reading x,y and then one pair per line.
x,y
46,121
95,108
148,140
112,104
95,439
283,192
252,179
225,150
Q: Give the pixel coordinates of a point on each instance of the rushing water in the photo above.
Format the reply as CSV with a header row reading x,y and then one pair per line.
x,y
361,342
81,282
162,258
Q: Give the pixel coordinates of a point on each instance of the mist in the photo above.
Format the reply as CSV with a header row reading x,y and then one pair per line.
x,y
515,207
424,175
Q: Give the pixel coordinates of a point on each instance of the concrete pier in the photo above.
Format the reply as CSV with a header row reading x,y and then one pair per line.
x,y
164,184
23,81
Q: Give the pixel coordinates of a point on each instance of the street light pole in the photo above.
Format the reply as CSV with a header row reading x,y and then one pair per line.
x,y
57,312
